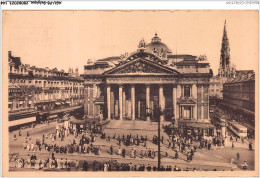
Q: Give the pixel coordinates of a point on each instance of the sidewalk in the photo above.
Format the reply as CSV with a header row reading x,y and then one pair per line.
x,y
165,161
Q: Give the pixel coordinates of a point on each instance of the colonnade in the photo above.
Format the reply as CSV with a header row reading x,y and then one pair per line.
x,y
121,98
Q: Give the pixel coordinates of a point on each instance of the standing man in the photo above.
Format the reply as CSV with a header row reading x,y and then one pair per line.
x,y
111,150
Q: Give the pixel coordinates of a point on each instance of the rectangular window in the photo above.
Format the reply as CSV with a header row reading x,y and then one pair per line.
x,y
186,91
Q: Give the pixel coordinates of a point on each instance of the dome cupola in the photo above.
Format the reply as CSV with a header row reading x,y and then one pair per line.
x,y
156,46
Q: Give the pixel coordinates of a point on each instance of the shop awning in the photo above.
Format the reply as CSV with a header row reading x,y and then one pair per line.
x,y
67,102
58,103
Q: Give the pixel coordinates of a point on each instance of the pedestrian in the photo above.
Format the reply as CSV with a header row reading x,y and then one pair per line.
x,y
176,154
232,160
119,151
123,152
245,166
166,154
111,150
162,139
233,145
85,166
77,164
141,154
238,156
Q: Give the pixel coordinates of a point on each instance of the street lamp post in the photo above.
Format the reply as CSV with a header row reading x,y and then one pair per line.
x,y
158,113
159,138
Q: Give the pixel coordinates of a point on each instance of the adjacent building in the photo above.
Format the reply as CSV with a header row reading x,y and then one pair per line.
x,y
132,86
239,95
41,92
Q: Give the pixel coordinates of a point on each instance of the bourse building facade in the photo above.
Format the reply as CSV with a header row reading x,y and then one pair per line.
x,y
132,86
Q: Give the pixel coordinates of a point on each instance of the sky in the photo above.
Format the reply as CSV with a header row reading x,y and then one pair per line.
x,y
66,39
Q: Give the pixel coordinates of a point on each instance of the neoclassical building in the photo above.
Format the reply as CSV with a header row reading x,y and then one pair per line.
x,y
132,86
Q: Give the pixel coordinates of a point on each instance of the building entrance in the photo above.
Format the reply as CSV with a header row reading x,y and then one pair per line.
x,y
140,106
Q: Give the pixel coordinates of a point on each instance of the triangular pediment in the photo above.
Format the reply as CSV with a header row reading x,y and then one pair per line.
x,y
186,100
141,66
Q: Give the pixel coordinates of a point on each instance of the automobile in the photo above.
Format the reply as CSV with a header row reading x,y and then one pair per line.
x,y
211,110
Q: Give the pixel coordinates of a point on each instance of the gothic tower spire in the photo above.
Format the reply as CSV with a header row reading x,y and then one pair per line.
x,y
224,67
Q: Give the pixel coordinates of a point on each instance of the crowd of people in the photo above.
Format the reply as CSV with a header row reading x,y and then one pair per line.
x,y
61,164
85,145
70,140
45,163
48,143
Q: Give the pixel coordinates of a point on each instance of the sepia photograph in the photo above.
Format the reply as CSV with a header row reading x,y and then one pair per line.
x,y
130,93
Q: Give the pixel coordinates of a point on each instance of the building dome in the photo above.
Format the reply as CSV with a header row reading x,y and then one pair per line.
x,y
157,46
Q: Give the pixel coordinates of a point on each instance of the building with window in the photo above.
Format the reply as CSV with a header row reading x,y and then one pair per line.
x,y
132,86
239,95
41,92
216,87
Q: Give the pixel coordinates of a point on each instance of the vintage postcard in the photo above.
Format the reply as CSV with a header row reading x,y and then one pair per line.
x,y
130,93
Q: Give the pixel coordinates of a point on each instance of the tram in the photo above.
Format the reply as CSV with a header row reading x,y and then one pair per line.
x,y
238,129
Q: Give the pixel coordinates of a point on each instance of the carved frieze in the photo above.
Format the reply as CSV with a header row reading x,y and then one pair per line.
x,y
140,67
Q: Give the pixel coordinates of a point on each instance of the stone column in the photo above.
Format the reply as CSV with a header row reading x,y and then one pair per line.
x,y
108,102
161,100
174,102
112,105
124,104
178,95
207,102
182,91
93,96
178,91
148,101
194,95
88,99
202,103
120,102
182,111
133,101
139,109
